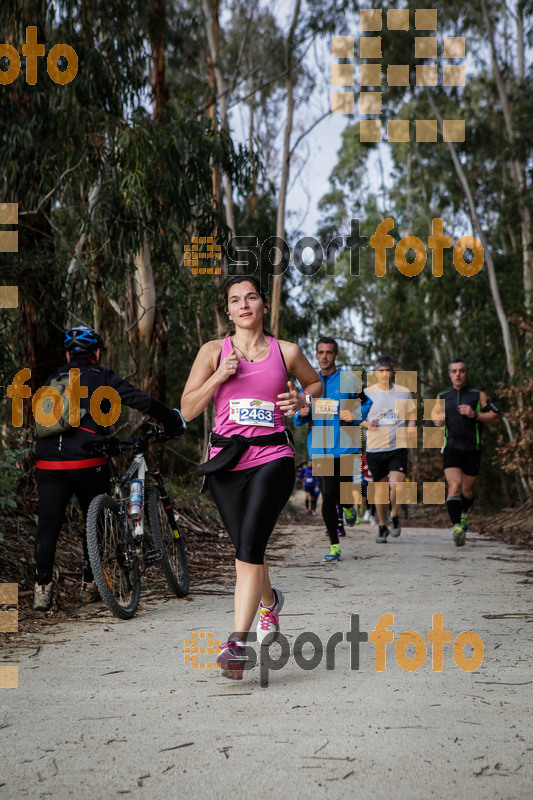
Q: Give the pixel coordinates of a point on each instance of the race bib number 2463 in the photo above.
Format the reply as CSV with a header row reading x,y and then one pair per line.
x,y
247,411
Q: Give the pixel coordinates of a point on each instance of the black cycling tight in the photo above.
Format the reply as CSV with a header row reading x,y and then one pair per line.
x,y
54,489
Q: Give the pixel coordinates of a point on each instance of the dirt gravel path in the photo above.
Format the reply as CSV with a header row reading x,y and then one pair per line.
x,y
107,708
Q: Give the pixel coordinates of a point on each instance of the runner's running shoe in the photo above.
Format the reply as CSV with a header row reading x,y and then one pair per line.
x,y
383,532
268,625
42,596
459,536
372,520
334,554
232,659
341,532
350,515
396,527
464,521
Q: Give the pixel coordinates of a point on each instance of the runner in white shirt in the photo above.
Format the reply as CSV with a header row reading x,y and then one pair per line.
x,y
386,450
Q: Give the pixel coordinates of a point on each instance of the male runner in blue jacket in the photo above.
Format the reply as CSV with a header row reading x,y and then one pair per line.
x,y
331,436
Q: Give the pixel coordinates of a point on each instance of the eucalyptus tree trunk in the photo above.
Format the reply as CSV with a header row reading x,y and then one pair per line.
x,y
220,93
150,335
251,148
144,294
275,319
510,353
518,170
159,81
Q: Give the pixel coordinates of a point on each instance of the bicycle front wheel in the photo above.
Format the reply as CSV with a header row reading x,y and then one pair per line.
x,y
113,557
168,539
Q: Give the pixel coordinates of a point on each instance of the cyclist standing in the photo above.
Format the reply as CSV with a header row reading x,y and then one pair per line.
x,y
64,468
249,480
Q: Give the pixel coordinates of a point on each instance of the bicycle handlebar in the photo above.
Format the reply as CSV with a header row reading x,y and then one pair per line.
x,y
110,445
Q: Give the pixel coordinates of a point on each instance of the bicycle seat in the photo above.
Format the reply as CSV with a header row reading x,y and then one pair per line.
x,y
103,444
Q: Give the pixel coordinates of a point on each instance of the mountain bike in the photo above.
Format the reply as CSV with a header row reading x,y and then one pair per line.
x,y
123,544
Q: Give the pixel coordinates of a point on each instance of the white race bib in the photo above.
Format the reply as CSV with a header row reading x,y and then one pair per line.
x,y
325,406
247,411
387,417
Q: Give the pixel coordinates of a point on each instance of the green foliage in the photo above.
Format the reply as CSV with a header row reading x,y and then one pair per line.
x,y
424,321
98,175
10,474
96,178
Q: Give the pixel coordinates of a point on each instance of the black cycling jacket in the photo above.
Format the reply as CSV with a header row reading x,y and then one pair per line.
x,y
68,447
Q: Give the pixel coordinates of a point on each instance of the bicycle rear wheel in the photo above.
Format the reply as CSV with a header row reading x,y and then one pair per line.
x,y
168,539
113,558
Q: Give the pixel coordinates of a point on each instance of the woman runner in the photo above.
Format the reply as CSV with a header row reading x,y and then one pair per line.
x,y
246,374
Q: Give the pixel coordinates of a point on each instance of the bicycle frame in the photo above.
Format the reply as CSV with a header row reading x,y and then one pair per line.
x,y
137,468
121,548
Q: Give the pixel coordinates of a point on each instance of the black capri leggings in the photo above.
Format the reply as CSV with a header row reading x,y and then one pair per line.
x,y
250,501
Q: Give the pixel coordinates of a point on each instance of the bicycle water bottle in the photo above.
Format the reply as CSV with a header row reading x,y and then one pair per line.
x,y
136,498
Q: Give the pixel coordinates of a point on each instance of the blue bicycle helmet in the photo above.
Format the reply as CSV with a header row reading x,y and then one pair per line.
x,y
83,340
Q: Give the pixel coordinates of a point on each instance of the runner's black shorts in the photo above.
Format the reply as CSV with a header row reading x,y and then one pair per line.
x,y
250,501
468,461
385,461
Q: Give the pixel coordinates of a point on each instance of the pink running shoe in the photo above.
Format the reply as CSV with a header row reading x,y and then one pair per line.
x,y
232,659
268,625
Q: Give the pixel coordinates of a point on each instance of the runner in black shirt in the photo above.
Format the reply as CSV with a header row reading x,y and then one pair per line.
x,y
466,409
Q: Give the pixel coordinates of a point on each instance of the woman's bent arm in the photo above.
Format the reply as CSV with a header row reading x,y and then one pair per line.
x,y
205,378
300,367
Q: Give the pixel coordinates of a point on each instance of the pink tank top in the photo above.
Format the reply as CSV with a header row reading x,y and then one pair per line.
x,y
245,404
